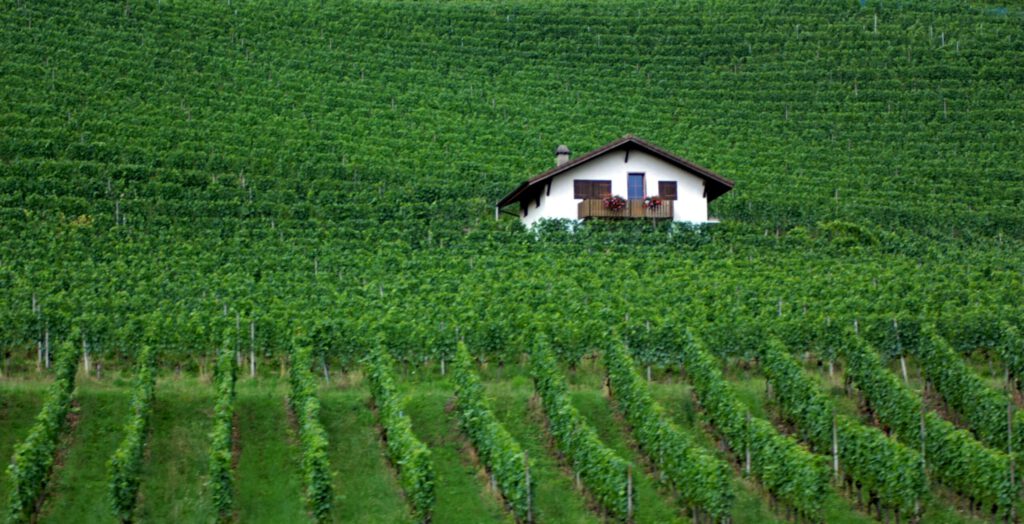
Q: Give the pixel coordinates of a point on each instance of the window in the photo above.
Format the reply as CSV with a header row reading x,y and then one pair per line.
x,y
667,191
592,188
635,186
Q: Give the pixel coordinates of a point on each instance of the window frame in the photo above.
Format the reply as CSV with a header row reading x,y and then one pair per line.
x,y
675,189
584,189
643,185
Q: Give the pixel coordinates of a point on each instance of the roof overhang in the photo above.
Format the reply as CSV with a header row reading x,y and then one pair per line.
x,y
715,184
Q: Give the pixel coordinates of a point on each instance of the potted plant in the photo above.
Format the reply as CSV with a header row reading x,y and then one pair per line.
x,y
615,203
652,202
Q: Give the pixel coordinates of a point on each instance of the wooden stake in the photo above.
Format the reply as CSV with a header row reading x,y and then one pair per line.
x,y
529,491
238,327
1009,451
747,442
835,445
85,355
629,492
252,348
923,435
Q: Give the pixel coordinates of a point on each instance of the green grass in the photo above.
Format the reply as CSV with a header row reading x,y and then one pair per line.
x,y
269,486
937,508
651,506
365,489
555,497
750,506
269,472
19,403
750,388
80,490
175,467
462,493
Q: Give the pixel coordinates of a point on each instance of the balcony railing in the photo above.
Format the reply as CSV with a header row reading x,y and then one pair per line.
x,y
594,208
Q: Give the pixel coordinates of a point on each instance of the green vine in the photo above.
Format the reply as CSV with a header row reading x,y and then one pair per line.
x,y
702,480
796,476
305,405
126,463
603,473
406,452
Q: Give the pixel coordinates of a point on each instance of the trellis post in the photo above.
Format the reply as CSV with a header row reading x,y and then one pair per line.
x,y
629,492
835,444
529,492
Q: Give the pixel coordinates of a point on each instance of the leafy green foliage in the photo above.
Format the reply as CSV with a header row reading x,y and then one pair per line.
x,y
498,450
33,458
165,163
958,460
604,473
1009,350
793,474
883,466
221,481
408,454
984,409
703,481
126,463
305,405
334,167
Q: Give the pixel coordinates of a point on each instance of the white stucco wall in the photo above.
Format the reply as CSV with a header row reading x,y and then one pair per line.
x,y
691,205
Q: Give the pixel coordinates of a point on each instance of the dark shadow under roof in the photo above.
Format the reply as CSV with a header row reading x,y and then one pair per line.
x,y
716,185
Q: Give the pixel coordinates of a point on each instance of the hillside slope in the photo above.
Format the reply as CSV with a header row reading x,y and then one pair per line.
x,y
165,166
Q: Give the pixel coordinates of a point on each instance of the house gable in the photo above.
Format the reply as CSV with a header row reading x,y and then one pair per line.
x,y
717,185
558,197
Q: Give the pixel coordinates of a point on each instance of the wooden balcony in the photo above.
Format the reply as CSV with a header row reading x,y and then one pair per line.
x,y
594,208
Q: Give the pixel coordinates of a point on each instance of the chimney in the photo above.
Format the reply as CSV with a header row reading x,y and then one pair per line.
x,y
562,155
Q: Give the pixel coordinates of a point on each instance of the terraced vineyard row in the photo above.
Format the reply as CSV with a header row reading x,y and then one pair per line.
x,y
691,469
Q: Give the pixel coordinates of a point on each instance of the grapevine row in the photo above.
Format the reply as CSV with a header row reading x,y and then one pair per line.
x,y
887,469
1009,350
406,452
33,458
605,475
788,471
126,463
305,405
498,450
222,443
702,480
985,410
956,458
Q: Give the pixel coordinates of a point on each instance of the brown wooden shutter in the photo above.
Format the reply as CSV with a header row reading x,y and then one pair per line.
x,y
667,191
591,188
581,188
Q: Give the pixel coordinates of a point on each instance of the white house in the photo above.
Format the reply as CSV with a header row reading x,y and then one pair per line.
x,y
651,182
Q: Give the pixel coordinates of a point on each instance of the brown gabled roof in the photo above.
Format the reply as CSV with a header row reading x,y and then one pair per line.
x,y
716,185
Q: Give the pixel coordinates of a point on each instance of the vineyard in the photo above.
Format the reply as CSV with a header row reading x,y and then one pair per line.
x,y
250,268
